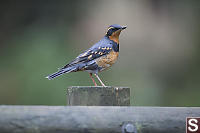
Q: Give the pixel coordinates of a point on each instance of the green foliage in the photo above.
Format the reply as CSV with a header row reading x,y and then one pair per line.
x,y
159,50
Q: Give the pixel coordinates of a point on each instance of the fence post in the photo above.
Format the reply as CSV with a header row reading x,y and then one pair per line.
x,y
98,96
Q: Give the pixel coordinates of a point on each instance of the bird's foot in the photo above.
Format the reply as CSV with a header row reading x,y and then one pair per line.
x,y
95,84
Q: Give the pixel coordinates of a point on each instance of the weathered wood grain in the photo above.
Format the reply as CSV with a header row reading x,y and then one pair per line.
x,y
98,96
93,119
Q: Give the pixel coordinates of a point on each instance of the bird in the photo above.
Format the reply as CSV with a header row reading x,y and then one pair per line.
x,y
97,58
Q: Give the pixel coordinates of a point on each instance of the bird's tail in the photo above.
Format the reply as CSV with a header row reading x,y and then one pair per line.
x,y
60,72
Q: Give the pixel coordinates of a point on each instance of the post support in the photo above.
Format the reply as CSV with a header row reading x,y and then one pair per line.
x,y
93,119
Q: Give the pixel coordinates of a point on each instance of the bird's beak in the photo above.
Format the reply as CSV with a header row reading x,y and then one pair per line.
x,y
124,27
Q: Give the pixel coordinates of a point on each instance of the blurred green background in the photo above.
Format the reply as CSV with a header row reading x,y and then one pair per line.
x,y
159,51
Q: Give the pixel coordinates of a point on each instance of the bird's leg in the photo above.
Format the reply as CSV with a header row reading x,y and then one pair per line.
x,y
100,80
95,84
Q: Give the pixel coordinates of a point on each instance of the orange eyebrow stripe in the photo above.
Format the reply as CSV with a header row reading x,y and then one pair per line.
x,y
110,28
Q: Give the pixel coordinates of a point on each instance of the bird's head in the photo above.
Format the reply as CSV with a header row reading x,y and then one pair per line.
x,y
114,31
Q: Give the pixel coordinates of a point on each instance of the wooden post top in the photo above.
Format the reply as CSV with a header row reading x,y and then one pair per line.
x,y
98,96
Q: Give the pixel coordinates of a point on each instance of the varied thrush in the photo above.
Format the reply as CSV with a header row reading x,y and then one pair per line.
x,y
99,57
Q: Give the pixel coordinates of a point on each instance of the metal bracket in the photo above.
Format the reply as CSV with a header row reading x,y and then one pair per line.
x,y
129,127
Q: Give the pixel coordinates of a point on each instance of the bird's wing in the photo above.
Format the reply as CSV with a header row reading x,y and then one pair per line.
x,y
90,55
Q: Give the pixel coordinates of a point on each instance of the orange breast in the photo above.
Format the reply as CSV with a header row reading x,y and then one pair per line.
x,y
108,60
